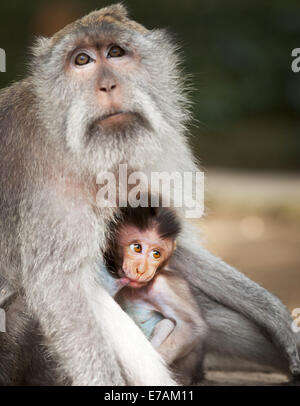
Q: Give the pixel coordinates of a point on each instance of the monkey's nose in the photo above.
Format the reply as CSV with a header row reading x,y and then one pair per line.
x,y
140,271
107,87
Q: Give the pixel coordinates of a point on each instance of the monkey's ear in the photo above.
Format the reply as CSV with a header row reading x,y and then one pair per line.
x,y
175,245
118,10
41,46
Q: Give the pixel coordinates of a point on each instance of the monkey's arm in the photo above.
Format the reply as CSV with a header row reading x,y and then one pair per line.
x,y
230,288
183,327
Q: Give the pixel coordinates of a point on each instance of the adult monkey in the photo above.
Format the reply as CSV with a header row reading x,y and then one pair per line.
x,y
103,91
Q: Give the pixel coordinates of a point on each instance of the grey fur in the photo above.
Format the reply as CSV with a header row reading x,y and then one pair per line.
x,y
50,242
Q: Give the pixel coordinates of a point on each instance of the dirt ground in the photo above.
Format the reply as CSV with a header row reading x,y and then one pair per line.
x,y
243,378
252,221
272,259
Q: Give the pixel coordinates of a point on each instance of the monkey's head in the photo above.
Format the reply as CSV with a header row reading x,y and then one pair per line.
x,y
108,88
143,243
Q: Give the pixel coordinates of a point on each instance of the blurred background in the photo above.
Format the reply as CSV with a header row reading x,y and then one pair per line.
x,y
247,110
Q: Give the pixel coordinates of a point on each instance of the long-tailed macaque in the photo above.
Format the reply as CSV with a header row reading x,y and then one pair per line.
x,y
157,299
101,92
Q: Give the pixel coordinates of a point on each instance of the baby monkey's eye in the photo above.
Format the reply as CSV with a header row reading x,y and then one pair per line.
x,y
83,59
156,254
115,52
136,247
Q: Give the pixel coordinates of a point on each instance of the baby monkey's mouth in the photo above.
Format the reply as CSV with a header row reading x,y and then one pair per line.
x,y
133,283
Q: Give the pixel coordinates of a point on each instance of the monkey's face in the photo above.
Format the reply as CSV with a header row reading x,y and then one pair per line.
x,y
102,68
109,92
143,254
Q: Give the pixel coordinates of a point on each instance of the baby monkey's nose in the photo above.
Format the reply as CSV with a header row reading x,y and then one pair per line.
x,y
140,271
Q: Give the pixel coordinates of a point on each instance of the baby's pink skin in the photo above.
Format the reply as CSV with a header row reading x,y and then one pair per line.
x,y
126,281
123,281
113,285
135,284
120,283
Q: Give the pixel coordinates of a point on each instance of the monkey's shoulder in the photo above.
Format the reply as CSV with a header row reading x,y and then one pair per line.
x,y
15,94
168,281
171,277
17,112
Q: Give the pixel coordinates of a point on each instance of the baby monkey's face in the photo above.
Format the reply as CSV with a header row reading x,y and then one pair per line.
x,y
143,253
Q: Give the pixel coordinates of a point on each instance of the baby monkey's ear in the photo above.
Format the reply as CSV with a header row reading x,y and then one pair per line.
x,y
175,245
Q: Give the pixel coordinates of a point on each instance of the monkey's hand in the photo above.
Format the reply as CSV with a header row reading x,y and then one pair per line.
x,y
161,331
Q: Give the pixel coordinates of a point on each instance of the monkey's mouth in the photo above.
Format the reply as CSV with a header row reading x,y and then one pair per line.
x,y
114,114
133,283
119,120
117,117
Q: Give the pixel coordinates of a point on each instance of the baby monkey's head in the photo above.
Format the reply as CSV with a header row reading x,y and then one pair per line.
x,y
144,242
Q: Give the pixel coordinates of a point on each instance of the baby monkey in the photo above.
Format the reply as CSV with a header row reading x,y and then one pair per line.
x,y
156,298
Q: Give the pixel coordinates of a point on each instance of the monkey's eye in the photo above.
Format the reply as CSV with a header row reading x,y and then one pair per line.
x,y
83,59
115,52
136,247
156,254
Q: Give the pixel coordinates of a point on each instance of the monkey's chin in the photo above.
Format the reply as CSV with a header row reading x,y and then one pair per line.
x,y
137,285
133,284
126,280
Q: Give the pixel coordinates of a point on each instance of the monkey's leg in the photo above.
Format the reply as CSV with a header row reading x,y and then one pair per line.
x,y
178,343
190,369
234,336
43,369
161,331
17,341
225,285
22,361
296,380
